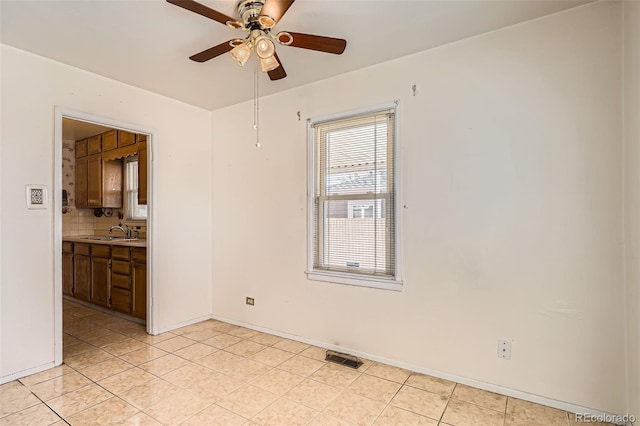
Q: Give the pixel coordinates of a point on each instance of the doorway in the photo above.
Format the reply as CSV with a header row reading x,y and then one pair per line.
x,y
82,218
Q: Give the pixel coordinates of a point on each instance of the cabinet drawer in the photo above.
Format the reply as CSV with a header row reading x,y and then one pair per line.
x,y
94,145
125,138
81,148
121,300
100,251
120,253
139,254
67,247
120,281
109,140
82,249
120,267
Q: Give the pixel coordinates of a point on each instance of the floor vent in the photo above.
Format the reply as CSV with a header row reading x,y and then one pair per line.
x,y
343,359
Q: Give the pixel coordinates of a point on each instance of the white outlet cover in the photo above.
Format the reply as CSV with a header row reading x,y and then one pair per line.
x,y
504,349
37,197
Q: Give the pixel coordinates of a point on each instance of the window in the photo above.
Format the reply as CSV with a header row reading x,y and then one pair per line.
x,y
134,210
352,200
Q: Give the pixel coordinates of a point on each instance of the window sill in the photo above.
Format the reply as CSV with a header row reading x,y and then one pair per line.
x,y
349,279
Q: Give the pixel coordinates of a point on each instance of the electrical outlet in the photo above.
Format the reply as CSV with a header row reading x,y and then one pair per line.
x,y
504,349
250,301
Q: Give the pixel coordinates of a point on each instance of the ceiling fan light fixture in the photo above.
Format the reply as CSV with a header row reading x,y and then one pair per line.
x,y
266,21
284,38
264,47
269,64
236,25
240,54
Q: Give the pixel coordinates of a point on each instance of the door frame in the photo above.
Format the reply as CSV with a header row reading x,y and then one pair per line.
x,y
60,113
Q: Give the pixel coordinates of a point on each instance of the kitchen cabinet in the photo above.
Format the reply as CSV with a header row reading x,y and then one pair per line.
x,y
67,268
94,145
139,282
109,140
81,148
81,271
100,279
121,279
81,182
98,182
94,181
125,138
142,169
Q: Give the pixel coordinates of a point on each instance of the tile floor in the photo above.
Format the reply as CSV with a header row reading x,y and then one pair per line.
x,y
214,373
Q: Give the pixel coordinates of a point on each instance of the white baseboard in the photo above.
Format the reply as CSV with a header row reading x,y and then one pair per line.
x,y
184,324
538,399
24,373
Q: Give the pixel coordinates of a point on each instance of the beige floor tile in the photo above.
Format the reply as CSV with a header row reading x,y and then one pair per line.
x,y
188,375
336,375
122,382
149,393
78,400
222,341
265,339
76,349
15,397
221,361
105,340
521,413
248,401
45,375
143,355
216,386
88,359
174,344
460,413
277,381
324,420
301,365
152,340
388,372
201,334
220,326
195,351
59,386
69,340
354,409
124,346
245,348
188,328
163,365
291,346
315,352
374,388
247,370
243,333
420,402
480,397
215,416
272,356
394,416
313,394
285,412
141,419
105,369
176,409
38,414
113,411
432,384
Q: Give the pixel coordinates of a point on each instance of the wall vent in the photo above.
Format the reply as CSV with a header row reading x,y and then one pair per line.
x,y
343,359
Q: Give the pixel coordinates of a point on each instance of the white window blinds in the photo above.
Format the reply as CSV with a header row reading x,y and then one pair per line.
x,y
354,195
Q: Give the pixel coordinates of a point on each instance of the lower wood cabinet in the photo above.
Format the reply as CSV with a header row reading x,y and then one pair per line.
x,y
113,277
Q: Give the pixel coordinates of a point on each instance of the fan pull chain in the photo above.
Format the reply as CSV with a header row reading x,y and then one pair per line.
x,y
256,105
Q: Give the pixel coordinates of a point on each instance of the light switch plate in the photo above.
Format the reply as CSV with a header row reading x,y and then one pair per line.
x,y
37,197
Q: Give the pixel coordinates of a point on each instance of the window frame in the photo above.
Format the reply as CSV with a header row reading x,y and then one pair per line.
x,y
127,207
313,163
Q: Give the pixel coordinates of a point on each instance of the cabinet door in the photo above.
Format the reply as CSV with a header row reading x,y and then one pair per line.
x,y
112,184
82,276
142,171
109,140
121,300
125,138
94,181
139,293
67,273
94,145
81,148
100,281
81,183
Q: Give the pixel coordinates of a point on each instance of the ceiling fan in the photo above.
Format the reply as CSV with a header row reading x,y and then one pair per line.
x,y
257,18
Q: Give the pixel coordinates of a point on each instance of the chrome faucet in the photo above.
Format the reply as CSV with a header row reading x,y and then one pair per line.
x,y
126,233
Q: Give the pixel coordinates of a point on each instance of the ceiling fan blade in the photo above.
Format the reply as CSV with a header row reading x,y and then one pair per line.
x,y
278,73
319,43
212,52
203,10
276,8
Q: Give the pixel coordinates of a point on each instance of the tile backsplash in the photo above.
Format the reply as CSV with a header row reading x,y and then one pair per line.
x,y
84,222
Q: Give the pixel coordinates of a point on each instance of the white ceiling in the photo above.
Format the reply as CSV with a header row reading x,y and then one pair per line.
x,y
147,43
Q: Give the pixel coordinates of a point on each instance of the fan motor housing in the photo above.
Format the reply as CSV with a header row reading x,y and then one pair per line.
x,y
249,10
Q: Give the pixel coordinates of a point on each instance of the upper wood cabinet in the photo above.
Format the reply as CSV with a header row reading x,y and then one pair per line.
x,y
81,148
94,145
109,140
125,138
142,169
81,182
94,181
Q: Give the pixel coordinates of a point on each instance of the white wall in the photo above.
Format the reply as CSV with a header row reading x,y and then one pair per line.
x,y
632,196
31,87
511,156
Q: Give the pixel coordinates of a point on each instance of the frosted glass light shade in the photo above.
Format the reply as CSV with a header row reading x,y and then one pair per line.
x,y
241,53
269,64
264,47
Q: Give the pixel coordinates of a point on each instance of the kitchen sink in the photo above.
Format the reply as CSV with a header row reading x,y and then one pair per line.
x,y
110,239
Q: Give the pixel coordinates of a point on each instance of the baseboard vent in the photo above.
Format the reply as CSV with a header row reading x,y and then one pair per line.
x,y
343,359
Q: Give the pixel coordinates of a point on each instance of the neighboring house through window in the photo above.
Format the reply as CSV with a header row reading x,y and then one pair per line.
x,y
352,199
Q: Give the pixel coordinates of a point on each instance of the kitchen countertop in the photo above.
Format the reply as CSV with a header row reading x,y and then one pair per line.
x,y
83,239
